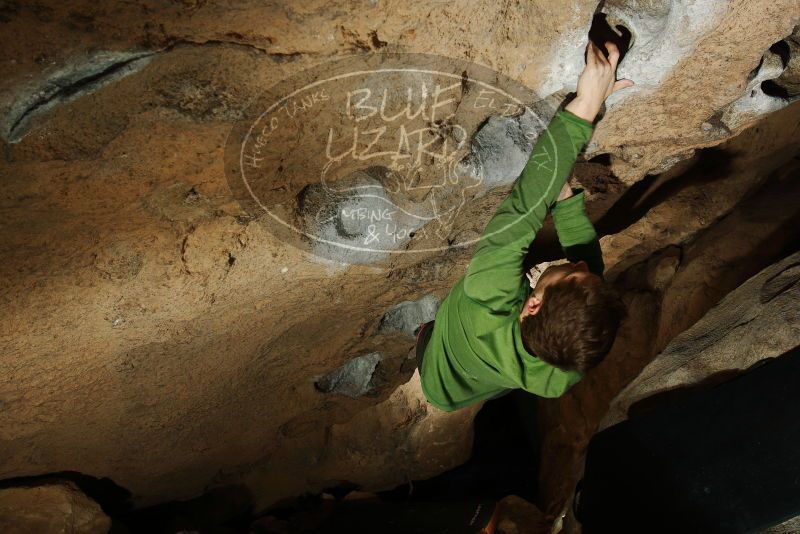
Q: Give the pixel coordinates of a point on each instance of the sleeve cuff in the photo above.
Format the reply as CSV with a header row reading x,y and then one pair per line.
x,y
573,226
570,206
570,116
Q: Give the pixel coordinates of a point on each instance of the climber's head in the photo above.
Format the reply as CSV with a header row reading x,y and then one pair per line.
x,y
571,317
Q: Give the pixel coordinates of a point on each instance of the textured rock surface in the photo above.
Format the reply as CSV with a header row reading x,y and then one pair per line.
x,y
402,435
660,123
408,315
56,508
156,334
680,265
787,527
759,319
353,379
518,516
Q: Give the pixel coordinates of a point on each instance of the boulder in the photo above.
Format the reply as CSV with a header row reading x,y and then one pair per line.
x,y
147,308
760,319
408,315
352,379
53,508
515,515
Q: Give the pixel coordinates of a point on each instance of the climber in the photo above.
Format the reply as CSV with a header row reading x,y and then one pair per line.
x,y
493,333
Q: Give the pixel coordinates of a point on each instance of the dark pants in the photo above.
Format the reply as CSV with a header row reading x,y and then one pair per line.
x,y
424,332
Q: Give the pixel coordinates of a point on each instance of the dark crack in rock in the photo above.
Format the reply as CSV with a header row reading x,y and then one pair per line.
x,y
68,83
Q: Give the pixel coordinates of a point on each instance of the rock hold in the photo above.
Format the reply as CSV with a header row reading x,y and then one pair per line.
x,y
408,315
788,83
352,379
755,102
354,219
501,147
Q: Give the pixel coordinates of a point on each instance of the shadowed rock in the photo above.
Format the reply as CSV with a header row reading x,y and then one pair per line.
x,y
50,508
755,321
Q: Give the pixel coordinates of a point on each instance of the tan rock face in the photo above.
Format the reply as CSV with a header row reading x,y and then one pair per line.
x,y
157,333
56,508
405,432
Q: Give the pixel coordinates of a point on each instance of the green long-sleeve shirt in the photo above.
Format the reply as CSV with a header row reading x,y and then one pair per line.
x,y
475,351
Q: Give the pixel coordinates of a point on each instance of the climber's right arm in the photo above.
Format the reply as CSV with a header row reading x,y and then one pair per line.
x,y
576,233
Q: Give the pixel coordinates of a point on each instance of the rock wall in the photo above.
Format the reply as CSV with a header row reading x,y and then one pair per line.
x,y
53,508
157,333
757,320
696,262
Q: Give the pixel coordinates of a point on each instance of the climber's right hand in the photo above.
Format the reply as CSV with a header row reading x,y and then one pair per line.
x,y
566,192
597,81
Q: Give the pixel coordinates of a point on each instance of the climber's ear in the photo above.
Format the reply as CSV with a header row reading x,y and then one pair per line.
x,y
533,305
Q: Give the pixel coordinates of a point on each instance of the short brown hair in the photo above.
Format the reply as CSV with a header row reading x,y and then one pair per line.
x,y
576,325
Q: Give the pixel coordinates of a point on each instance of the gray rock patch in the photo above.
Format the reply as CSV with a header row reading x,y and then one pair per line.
x,y
501,147
755,102
354,220
407,315
68,83
352,379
